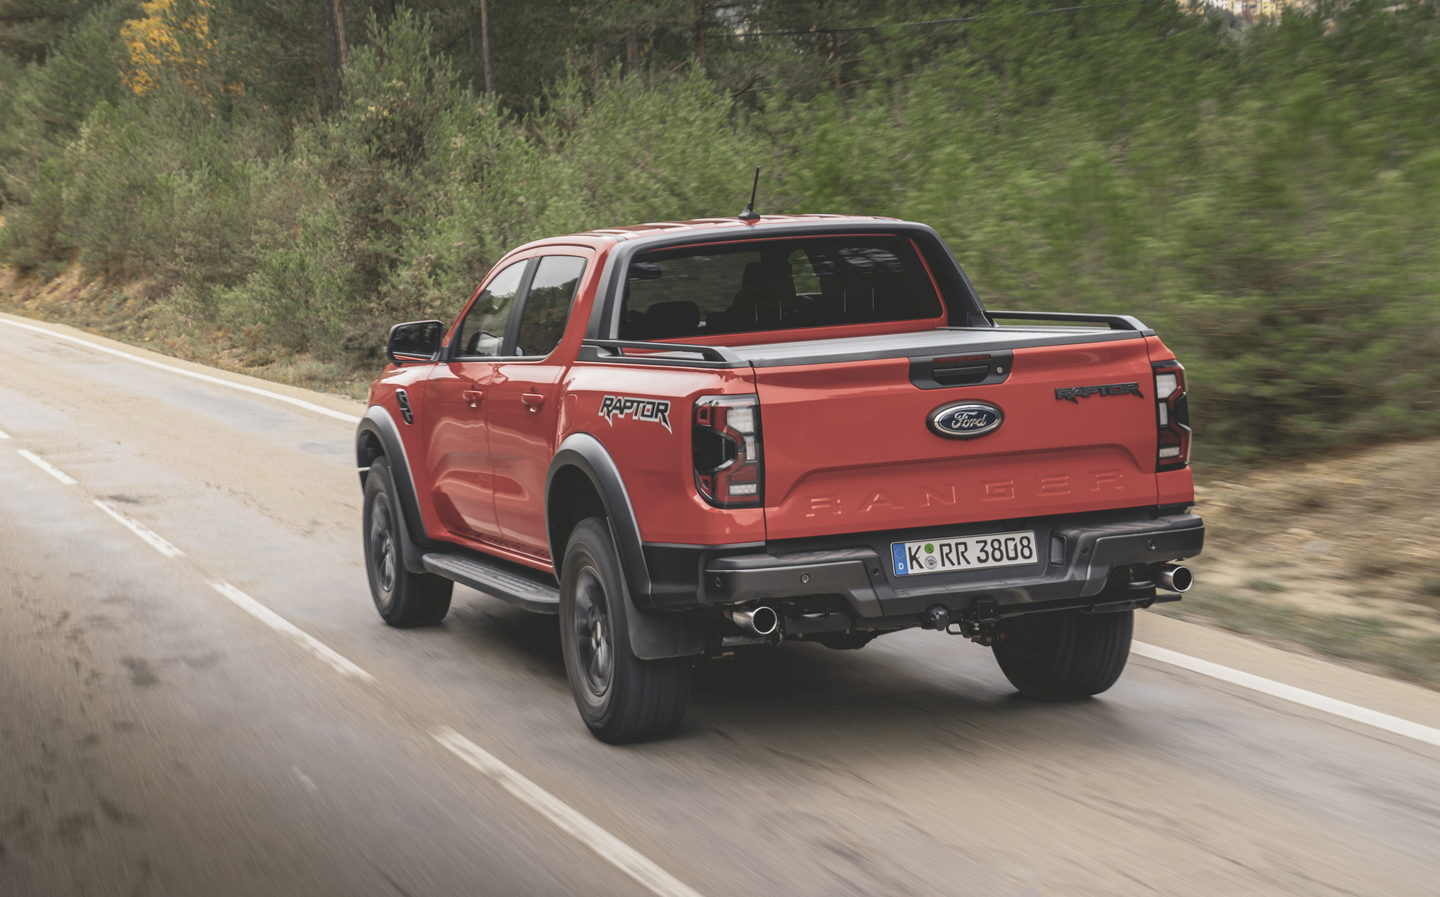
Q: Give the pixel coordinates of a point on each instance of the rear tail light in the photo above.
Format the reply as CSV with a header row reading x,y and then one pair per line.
x,y
728,470
1172,415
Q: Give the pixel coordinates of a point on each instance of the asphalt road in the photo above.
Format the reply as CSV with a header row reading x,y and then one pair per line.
x,y
197,698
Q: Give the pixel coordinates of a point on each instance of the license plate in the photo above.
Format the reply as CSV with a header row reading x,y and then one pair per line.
x,y
963,553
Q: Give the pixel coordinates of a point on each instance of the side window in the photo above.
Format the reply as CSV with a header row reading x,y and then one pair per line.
x,y
547,304
483,329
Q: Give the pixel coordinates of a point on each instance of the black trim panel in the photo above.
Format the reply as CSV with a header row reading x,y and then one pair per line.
x,y
1078,554
665,354
675,569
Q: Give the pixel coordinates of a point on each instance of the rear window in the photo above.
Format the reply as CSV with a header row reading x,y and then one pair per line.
x,y
775,285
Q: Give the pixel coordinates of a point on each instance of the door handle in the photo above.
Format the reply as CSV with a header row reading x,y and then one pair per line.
x,y
533,400
472,396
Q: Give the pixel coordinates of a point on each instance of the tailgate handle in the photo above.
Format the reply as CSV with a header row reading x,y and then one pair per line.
x,y
938,372
960,374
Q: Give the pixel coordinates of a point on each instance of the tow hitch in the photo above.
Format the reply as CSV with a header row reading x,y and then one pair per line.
x,y
980,624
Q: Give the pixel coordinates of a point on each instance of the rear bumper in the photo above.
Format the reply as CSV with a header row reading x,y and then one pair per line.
x,y
1077,556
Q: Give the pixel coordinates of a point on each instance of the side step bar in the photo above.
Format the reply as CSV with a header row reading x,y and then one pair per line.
x,y
536,593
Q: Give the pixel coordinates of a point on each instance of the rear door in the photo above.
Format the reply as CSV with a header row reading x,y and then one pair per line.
x,y
854,446
523,398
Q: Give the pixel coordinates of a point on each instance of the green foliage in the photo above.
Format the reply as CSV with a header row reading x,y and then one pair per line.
x,y
42,108
29,28
1268,197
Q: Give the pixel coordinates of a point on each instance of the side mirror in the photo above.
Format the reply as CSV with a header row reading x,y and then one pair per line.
x,y
414,341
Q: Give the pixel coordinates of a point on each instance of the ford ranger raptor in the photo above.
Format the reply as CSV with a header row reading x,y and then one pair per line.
x,y
686,438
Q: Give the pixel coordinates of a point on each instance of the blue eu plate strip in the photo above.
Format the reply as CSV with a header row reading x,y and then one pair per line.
x,y
902,566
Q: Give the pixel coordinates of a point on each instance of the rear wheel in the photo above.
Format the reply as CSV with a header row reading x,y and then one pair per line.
x,y
1066,655
403,598
621,698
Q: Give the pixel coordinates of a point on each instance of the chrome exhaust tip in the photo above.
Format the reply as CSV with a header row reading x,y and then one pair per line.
x,y
1175,578
762,620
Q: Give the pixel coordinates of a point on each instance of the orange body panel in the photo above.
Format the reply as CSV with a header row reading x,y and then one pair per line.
x,y
848,450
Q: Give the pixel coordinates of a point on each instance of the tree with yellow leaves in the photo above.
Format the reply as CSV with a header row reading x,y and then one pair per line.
x,y
171,38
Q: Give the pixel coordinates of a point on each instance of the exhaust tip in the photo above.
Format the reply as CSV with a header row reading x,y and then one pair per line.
x,y
762,620
1175,578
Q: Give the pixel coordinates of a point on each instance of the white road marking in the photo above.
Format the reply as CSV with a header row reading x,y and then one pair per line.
x,y
305,781
151,537
1314,701
196,375
57,473
342,664
4,435
608,847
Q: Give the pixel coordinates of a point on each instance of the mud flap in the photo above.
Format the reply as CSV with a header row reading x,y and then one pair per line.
x,y
662,636
657,636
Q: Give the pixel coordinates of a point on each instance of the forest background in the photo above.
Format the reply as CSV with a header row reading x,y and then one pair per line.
x,y
286,179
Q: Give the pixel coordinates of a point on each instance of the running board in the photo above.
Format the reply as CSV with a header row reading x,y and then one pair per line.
x,y
503,581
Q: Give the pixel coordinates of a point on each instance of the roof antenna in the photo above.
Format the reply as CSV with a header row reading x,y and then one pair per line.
x,y
750,216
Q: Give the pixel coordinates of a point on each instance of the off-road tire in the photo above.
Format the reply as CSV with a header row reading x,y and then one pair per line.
x,y
404,599
1067,655
621,698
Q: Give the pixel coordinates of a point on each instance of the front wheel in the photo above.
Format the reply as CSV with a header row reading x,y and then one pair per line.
x,y
621,698
1066,655
403,598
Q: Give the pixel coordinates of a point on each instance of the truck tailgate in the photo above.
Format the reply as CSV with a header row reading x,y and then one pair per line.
x,y
848,446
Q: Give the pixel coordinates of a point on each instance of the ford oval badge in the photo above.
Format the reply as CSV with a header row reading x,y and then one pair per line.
x,y
965,420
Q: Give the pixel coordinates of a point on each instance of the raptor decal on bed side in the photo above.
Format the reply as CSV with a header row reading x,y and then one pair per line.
x,y
655,410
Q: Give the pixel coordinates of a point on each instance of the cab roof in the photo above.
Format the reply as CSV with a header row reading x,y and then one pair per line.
x,y
613,235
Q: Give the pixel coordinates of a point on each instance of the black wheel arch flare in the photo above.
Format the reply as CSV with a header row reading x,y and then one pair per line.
x,y
585,453
652,636
377,435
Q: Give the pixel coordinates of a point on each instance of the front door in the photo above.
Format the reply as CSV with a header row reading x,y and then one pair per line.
x,y
458,455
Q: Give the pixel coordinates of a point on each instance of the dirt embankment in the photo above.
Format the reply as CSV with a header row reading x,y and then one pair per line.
x,y
1338,555
128,312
